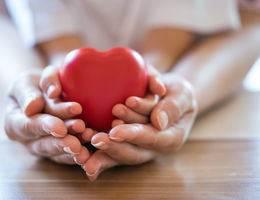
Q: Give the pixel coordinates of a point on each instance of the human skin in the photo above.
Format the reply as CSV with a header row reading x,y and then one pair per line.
x,y
198,61
53,50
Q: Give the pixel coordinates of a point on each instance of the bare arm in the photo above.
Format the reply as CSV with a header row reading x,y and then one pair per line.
x,y
217,66
162,47
53,51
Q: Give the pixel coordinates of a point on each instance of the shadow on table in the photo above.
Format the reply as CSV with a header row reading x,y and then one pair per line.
x,y
46,179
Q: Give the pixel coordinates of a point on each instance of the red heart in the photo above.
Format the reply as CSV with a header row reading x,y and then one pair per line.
x,y
99,80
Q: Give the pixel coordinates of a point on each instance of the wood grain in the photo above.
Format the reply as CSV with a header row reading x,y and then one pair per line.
x,y
201,170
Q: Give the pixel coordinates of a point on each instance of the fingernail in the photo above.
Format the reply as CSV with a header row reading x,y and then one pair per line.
x,y
83,167
132,103
99,144
111,133
116,139
93,174
51,132
51,88
160,81
68,150
162,119
75,160
55,134
28,101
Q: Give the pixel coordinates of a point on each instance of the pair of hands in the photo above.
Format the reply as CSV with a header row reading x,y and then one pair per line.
x,y
146,127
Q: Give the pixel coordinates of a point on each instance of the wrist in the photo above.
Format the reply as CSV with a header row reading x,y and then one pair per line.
x,y
160,60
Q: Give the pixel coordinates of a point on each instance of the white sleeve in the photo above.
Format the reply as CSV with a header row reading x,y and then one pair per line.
x,y
202,16
41,20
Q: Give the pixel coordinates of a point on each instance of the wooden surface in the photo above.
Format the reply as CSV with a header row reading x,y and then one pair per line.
x,y
201,170
221,160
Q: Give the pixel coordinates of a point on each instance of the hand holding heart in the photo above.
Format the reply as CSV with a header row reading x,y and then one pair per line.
x,y
99,80
45,134
138,142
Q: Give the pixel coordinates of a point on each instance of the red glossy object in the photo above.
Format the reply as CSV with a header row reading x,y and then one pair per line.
x,y
99,80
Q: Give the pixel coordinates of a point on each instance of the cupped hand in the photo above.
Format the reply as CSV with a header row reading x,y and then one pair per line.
x,y
43,134
171,115
136,109
171,121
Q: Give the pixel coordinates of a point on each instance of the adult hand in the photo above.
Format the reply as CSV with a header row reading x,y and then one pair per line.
x,y
136,109
171,121
43,134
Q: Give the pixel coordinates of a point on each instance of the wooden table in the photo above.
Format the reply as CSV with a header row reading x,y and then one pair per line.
x,y
221,160
201,170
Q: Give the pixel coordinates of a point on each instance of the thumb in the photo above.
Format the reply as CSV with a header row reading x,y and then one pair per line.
x,y
169,110
155,81
27,94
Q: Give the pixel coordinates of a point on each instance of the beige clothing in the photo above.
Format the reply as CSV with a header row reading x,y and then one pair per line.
x,y
103,24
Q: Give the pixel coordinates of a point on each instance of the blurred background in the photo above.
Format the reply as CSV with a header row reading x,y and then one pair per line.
x,y
220,160
239,113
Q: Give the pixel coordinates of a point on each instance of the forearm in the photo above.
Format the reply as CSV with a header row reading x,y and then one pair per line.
x,y
54,51
162,47
217,66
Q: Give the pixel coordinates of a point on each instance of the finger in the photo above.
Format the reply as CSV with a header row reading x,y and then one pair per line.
x,y
117,122
50,146
155,81
50,83
124,153
75,126
127,115
64,159
27,128
28,95
87,134
98,163
63,110
144,105
171,108
146,136
82,157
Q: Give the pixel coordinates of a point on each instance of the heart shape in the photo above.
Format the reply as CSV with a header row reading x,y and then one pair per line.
x,y
99,80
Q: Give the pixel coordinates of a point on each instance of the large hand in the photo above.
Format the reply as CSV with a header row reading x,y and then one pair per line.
x,y
136,109
42,134
138,143
172,119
